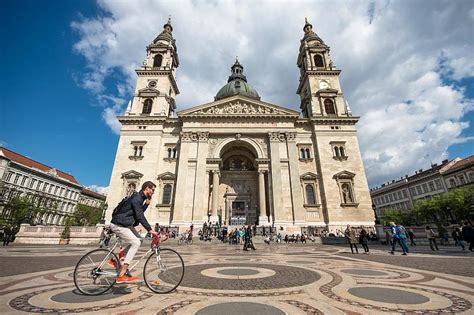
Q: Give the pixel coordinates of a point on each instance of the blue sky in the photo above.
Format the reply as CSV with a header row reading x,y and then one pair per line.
x,y
53,112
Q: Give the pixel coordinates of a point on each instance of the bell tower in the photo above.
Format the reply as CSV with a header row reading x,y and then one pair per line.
x,y
156,88
319,87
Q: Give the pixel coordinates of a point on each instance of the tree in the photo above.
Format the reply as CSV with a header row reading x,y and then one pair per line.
x,y
86,215
19,210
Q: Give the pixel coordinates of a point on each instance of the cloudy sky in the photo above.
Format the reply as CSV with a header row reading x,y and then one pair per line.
x,y
407,71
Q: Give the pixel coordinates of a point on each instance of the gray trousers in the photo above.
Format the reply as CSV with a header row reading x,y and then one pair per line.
x,y
127,236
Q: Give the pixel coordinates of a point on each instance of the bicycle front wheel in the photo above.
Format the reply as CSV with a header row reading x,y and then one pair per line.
x,y
163,272
96,272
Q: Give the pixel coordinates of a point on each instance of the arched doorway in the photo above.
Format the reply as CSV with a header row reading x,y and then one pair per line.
x,y
238,184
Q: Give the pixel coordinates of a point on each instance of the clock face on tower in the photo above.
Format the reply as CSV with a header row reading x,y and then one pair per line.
x,y
152,84
323,85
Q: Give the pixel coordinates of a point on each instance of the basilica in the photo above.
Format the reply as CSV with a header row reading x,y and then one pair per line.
x,y
238,159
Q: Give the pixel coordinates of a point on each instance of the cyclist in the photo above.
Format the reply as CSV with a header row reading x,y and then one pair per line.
x,y
123,223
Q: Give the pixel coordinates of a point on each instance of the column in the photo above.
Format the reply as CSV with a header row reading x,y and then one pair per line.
x,y
179,216
215,194
295,183
201,190
278,212
262,219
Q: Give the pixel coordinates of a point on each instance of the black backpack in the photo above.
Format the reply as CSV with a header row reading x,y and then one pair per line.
x,y
121,204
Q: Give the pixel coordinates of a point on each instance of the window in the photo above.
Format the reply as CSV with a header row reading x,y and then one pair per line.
x,y
404,192
339,150
310,200
167,194
157,61
418,190
461,179
147,105
169,153
62,192
412,191
318,61
45,186
425,188
23,181
399,194
432,186
471,177
39,185
17,177
50,188
56,190
439,185
347,193
452,182
9,176
336,151
329,107
345,182
305,153
137,151
32,182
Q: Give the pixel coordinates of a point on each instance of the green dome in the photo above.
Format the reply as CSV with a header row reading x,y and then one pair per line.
x,y
237,85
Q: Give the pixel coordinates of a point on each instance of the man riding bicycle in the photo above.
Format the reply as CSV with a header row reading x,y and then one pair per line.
x,y
123,223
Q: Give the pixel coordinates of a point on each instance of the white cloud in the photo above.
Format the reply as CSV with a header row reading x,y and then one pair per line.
x,y
393,56
100,189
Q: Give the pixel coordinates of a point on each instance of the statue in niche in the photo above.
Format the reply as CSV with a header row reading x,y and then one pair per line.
x,y
132,187
346,194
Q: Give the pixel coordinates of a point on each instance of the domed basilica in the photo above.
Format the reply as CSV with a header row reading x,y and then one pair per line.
x,y
239,160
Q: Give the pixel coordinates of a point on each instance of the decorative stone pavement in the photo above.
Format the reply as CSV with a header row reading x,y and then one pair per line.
x,y
222,279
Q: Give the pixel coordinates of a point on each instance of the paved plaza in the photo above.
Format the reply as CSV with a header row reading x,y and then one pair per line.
x,y
276,279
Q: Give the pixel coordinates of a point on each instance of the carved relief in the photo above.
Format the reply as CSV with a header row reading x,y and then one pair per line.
x,y
189,136
203,136
290,136
239,108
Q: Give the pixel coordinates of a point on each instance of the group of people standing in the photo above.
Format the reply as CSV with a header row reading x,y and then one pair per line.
x,y
353,238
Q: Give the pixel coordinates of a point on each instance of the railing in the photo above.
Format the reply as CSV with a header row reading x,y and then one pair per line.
x,y
52,234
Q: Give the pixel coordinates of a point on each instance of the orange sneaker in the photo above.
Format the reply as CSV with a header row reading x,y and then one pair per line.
x,y
126,279
112,262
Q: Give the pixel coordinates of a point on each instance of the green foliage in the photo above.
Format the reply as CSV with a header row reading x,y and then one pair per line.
x,y
86,215
20,210
66,233
455,205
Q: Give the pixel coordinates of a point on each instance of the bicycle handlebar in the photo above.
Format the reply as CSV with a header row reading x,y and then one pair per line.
x,y
158,239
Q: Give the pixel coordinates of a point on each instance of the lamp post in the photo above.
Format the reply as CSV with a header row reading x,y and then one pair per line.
x,y
377,221
104,208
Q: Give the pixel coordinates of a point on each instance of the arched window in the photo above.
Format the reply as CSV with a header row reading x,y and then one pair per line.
x,y
452,182
318,61
329,107
169,152
157,61
167,194
308,156
336,149
341,150
147,104
302,154
174,153
310,195
347,196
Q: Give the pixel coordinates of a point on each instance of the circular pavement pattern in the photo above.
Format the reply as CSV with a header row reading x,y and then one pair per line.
x,y
238,272
364,272
239,308
76,297
387,295
196,276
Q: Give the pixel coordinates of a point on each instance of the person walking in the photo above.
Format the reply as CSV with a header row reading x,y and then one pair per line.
x,y
7,235
351,238
402,233
248,239
468,234
431,236
363,239
397,236
458,238
388,238
412,237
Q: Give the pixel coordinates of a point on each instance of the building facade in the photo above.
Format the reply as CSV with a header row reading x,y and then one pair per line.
x,y
424,184
91,199
238,158
47,188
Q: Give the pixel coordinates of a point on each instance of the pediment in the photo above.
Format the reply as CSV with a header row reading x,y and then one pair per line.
x,y
132,174
309,176
148,91
238,106
344,175
166,176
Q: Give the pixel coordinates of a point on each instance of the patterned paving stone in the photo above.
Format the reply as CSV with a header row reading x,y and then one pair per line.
x,y
387,295
239,308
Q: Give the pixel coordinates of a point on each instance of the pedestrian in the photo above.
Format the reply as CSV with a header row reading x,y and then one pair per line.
x,y
388,238
7,235
351,238
248,239
402,233
412,237
363,235
458,238
397,238
431,236
468,234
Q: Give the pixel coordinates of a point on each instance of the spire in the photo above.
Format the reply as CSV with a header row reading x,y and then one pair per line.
x,y
309,34
167,27
307,26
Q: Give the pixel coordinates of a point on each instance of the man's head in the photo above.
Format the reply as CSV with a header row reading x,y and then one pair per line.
x,y
148,189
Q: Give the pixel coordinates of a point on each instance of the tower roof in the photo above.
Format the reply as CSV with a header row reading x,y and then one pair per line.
x,y
309,34
237,84
166,34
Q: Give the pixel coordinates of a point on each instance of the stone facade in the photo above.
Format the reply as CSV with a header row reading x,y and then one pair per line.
x,y
240,157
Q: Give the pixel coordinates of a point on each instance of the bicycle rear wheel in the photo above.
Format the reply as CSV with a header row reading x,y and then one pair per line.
x,y
93,274
163,272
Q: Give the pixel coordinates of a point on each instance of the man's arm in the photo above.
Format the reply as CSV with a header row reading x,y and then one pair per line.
x,y
138,210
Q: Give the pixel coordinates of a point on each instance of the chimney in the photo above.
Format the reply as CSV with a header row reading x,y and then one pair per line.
x,y
393,181
445,161
406,176
434,165
420,170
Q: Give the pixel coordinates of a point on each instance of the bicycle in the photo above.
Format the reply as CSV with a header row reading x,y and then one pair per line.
x,y
96,272
185,238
